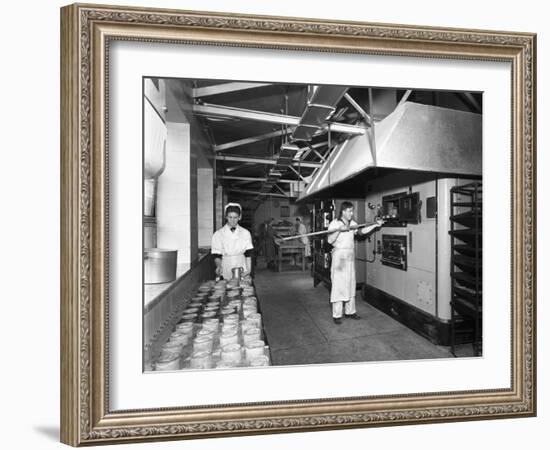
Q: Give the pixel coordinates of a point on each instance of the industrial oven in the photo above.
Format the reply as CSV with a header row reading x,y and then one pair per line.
x,y
322,215
409,259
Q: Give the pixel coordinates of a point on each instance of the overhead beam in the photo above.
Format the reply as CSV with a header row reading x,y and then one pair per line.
x,y
472,101
269,194
240,166
329,150
306,153
268,161
321,157
231,177
282,191
312,147
297,173
224,88
239,183
405,97
251,140
261,116
372,133
357,107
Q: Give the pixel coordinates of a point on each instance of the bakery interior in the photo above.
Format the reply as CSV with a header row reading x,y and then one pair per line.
x,y
289,155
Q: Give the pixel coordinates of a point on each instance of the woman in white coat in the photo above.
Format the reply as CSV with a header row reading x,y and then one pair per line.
x,y
232,244
342,269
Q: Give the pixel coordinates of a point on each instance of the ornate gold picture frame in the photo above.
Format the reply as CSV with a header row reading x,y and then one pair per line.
x,y
87,31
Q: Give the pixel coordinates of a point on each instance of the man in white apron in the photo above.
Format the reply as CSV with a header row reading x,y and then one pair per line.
x,y
342,269
232,244
301,229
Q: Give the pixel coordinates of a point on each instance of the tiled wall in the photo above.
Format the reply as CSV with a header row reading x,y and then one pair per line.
x,y
185,192
193,209
205,207
219,202
173,198
188,151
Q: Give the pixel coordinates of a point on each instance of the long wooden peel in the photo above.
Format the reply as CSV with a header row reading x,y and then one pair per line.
x,y
323,232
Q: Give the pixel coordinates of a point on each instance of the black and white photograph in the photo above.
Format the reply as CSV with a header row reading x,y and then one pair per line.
x,y
298,224
294,221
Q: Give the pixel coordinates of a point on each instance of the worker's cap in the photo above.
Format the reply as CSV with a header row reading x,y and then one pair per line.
x,y
234,205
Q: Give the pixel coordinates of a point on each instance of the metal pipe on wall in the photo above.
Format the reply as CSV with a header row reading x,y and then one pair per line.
x,y
436,249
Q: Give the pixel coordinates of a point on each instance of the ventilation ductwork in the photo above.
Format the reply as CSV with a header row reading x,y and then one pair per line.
x,y
318,111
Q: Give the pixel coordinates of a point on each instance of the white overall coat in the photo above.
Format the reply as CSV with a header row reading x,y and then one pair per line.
x,y
231,245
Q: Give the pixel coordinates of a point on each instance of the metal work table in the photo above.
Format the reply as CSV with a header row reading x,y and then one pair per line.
x,y
290,249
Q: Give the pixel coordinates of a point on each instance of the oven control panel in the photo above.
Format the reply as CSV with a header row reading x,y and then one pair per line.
x,y
400,209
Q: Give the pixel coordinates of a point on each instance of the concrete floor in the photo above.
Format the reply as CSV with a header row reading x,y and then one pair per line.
x,y
298,324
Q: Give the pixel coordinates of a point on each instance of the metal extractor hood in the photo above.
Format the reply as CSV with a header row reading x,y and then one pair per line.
x,y
413,137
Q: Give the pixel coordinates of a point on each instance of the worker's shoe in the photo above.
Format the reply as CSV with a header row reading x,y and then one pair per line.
x,y
337,320
353,316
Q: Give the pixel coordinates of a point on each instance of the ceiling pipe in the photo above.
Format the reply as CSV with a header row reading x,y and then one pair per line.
x,y
267,161
251,140
224,88
260,116
261,194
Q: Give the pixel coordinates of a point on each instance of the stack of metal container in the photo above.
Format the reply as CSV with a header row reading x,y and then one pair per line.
x,y
219,328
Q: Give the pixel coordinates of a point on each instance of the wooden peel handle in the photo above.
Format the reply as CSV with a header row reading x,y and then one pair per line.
x,y
322,232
